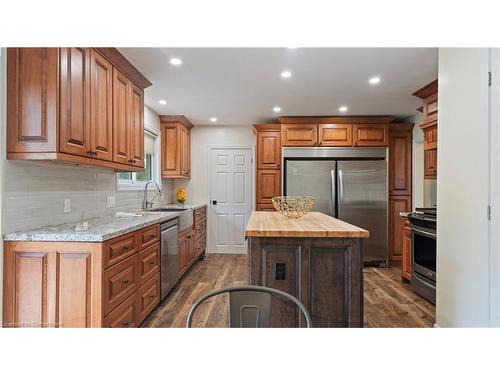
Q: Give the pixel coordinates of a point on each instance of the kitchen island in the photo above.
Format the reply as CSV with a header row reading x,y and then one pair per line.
x,y
316,258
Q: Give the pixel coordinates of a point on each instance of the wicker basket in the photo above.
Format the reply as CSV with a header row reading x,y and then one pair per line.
x,y
293,206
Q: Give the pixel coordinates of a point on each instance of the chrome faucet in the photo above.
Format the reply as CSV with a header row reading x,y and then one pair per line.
x,y
149,204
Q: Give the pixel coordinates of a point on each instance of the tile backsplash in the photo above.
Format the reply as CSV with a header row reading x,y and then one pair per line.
x,y
35,194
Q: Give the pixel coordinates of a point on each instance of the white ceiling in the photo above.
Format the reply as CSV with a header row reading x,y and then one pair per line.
x,y
240,86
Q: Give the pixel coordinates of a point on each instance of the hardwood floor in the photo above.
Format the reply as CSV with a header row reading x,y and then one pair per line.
x,y
388,301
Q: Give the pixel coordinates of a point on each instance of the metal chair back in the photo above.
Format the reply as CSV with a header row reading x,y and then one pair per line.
x,y
249,306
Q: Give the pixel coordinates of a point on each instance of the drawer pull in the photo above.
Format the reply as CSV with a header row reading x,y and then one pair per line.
x,y
152,263
125,282
124,324
152,296
125,248
151,236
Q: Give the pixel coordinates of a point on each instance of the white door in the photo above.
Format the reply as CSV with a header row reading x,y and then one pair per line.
x,y
230,198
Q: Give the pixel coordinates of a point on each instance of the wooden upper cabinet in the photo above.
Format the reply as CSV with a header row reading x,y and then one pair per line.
x,y
175,147
371,135
136,108
32,100
400,159
121,118
429,96
268,185
75,105
335,135
101,107
74,101
268,149
185,159
170,150
430,164
430,108
430,136
299,134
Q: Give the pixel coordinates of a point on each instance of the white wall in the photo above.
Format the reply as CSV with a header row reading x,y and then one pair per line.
x,y
202,137
463,188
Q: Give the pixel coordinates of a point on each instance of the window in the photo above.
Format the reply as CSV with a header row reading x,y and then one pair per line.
x,y
137,180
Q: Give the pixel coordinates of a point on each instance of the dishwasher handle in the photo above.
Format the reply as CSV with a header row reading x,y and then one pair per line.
x,y
168,224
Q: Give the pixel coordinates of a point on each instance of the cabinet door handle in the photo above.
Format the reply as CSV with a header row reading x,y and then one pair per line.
x,y
152,296
125,248
152,263
125,282
124,324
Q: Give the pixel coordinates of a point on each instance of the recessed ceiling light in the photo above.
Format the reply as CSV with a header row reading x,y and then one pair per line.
x,y
162,102
286,74
374,80
175,61
277,109
213,119
343,108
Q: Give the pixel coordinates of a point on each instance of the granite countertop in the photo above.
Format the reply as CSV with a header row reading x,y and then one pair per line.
x,y
99,229
192,206
312,224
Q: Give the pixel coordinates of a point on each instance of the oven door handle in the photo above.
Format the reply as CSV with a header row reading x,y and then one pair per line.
x,y
423,281
424,232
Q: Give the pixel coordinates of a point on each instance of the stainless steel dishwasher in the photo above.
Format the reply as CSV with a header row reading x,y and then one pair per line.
x,y
169,255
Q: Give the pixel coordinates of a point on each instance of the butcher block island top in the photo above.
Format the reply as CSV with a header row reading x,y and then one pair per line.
x,y
313,224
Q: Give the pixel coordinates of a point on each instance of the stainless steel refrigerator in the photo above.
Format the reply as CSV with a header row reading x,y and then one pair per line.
x,y
349,184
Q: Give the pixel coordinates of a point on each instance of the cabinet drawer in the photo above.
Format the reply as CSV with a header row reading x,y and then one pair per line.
x,y
119,282
119,248
200,227
149,235
148,297
124,316
200,245
199,213
149,263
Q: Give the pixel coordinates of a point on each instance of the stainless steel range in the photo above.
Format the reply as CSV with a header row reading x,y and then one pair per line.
x,y
423,252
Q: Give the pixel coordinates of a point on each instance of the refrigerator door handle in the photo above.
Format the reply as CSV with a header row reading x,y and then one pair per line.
x,y
332,193
341,190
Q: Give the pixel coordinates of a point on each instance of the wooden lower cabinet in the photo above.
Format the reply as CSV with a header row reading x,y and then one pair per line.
x,y
324,273
148,297
397,204
193,241
124,316
406,250
81,284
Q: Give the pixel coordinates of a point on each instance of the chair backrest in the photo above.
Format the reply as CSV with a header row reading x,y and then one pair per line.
x,y
249,306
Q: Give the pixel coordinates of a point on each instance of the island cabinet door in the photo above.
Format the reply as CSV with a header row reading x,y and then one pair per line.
x,y
52,284
325,274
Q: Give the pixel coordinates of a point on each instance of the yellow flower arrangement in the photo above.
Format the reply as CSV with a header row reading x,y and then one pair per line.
x,y
181,195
